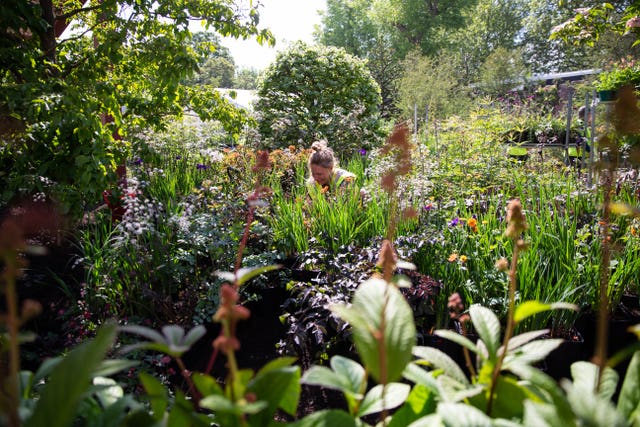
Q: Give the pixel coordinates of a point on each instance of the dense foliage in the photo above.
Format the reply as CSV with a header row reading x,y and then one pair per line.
x,y
70,105
316,92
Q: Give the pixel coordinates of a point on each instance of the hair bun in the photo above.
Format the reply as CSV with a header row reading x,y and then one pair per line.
x,y
319,145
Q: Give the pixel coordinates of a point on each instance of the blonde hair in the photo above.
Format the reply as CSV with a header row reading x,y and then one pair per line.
x,y
322,155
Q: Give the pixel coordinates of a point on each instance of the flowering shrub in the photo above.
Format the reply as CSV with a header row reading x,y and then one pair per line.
x,y
618,74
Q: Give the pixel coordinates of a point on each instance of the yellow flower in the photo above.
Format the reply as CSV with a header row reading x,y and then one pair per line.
x,y
453,257
463,258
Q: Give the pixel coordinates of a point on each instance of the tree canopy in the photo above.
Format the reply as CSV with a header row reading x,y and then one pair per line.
x,y
71,102
318,92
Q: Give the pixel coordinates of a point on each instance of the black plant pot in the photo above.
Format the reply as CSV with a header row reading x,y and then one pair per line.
x,y
573,349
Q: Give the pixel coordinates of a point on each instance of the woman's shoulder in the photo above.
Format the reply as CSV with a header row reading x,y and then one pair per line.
x,y
341,176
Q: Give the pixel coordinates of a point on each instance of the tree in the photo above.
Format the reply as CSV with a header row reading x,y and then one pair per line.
x,y
502,71
422,24
351,25
74,103
609,30
491,25
215,63
315,92
543,54
430,83
246,78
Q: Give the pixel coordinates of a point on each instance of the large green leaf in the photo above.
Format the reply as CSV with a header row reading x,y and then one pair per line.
x,y
326,418
461,415
487,326
280,388
548,387
378,303
351,372
629,400
440,360
346,375
70,380
591,406
458,339
532,352
420,402
381,398
585,378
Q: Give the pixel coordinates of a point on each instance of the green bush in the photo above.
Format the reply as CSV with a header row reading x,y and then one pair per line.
x,y
318,92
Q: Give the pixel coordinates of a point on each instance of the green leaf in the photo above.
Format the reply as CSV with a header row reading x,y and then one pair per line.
x,y
245,274
278,388
461,415
549,387
524,338
487,326
326,418
629,400
384,355
324,377
394,395
543,414
206,384
110,367
458,339
158,396
351,373
440,360
530,308
421,402
532,352
61,396
421,376
585,378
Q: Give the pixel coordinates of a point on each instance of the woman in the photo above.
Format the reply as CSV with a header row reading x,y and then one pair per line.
x,y
324,173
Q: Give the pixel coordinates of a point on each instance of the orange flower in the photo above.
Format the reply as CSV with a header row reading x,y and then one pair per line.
x,y
292,148
472,222
453,257
324,189
634,232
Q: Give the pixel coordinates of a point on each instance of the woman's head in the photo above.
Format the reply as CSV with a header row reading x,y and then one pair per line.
x,y
321,163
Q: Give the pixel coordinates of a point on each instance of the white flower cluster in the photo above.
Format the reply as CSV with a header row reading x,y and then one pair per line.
x,y
140,213
214,156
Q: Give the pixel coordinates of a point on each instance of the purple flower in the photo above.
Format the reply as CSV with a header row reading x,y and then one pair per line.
x,y
178,157
201,167
428,207
137,161
454,222
362,152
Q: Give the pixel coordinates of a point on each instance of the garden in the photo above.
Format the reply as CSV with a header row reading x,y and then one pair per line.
x,y
185,275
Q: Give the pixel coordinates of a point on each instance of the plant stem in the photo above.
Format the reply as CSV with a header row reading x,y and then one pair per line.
x,y
10,273
603,309
509,330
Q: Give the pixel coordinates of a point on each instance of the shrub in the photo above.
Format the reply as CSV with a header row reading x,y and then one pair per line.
x,y
315,92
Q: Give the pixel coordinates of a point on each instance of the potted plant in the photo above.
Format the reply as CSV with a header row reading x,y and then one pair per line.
x,y
623,73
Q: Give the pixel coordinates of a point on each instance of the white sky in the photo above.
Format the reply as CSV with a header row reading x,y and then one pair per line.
x,y
288,20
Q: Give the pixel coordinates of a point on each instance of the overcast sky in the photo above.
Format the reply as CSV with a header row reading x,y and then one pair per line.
x,y
289,20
